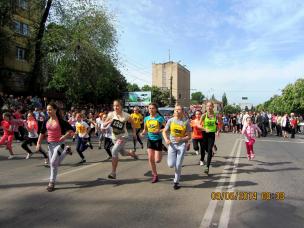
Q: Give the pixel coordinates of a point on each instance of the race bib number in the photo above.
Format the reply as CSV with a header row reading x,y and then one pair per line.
x,y
152,125
118,127
177,130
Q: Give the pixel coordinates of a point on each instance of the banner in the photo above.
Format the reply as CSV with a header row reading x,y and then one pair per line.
x,y
137,98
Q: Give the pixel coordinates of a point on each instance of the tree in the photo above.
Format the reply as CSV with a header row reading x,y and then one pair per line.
x,y
81,54
230,109
213,97
37,67
159,96
132,87
224,99
197,97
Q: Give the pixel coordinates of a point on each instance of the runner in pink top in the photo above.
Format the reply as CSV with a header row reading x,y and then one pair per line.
x,y
8,135
249,130
57,130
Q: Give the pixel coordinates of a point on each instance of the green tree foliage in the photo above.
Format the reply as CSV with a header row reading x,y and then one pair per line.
x,y
224,100
291,100
80,42
197,98
132,87
159,96
231,109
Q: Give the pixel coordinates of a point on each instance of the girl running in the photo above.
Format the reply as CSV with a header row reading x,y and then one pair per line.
x,y
7,138
209,122
31,126
118,120
138,120
57,131
107,134
82,132
197,136
152,125
249,130
179,129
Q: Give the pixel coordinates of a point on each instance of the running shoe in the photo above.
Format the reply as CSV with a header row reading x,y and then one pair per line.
x,y
202,163
142,146
28,155
99,147
50,187
82,161
10,157
154,179
176,186
252,156
46,161
248,156
215,147
196,152
109,158
90,145
206,170
112,176
68,150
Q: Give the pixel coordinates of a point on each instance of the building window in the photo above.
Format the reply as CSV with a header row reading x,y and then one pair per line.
x,y
21,28
23,4
20,53
179,96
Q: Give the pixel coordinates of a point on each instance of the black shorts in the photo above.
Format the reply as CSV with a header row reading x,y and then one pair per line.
x,y
154,144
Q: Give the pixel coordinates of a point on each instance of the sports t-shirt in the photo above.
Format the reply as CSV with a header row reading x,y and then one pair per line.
x,y
82,129
118,124
6,127
137,119
153,125
196,133
178,128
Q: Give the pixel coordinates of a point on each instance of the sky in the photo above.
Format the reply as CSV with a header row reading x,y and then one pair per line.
x,y
245,48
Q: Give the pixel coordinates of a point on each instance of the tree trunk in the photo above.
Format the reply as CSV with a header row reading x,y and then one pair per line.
x,y
35,84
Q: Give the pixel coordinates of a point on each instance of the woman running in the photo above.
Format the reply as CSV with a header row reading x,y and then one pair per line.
x,y
31,126
209,122
118,120
7,137
197,136
179,130
107,134
138,120
57,131
153,127
82,132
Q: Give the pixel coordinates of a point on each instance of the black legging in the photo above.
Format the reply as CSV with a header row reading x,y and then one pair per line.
x,y
137,139
200,148
25,144
209,139
107,145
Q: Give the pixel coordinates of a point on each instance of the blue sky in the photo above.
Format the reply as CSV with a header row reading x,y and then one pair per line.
x,y
251,48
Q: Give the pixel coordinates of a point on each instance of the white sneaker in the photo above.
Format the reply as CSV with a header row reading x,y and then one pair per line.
x,y
201,163
10,157
196,152
28,156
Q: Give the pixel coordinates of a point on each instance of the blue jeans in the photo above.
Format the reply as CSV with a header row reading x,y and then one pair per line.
x,y
82,145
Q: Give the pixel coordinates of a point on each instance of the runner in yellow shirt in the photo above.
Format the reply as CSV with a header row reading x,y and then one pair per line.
x,y
137,120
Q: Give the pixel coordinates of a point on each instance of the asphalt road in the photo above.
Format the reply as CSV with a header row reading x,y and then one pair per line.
x,y
84,197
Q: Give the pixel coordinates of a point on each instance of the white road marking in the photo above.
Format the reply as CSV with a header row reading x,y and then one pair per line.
x,y
224,220
279,141
75,170
206,221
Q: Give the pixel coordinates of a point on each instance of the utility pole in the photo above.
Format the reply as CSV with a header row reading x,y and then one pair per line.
x,y
171,78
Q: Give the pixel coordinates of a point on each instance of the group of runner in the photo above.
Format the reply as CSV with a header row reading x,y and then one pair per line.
x,y
176,133
173,135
